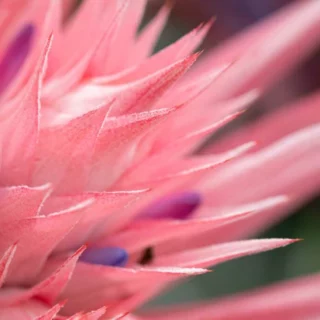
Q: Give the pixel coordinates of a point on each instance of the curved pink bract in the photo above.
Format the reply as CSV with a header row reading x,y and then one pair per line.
x,y
98,168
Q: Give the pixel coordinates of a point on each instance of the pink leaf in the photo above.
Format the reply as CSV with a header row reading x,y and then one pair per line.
x,y
259,65
149,36
215,254
5,262
35,246
21,202
294,300
51,313
22,127
63,152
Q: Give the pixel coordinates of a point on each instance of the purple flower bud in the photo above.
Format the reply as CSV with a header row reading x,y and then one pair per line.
x,y
15,56
175,206
110,256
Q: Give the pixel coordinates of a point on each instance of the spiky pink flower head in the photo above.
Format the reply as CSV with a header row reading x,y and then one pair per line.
x,y
103,201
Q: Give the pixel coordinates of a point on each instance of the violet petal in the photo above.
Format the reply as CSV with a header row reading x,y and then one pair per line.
x,y
109,256
15,55
176,206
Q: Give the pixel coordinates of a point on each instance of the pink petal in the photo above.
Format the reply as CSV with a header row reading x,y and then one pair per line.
x,y
67,6
5,263
7,20
62,82
75,36
140,95
104,55
116,140
43,16
126,34
184,180
124,316
35,246
256,206
68,67
294,300
92,286
29,310
51,287
192,128
169,55
92,315
183,145
50,314
63,152
149,36
13,231
187,91
215,254
21,202
181,182
132,97
22,131
133,302
164,168
296,28
286,120
95,45
93,216
142,234
294,158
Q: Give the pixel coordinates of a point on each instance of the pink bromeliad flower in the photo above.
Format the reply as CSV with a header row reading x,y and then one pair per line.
x,y
103,201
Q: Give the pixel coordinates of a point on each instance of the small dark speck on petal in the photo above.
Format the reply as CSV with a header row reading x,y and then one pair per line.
x,y
147,256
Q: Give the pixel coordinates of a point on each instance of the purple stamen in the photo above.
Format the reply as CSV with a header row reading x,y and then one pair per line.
x,y
176,206
15,56
109,256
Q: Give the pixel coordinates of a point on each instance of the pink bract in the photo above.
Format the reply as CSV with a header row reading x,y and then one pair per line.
x,y
103,202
